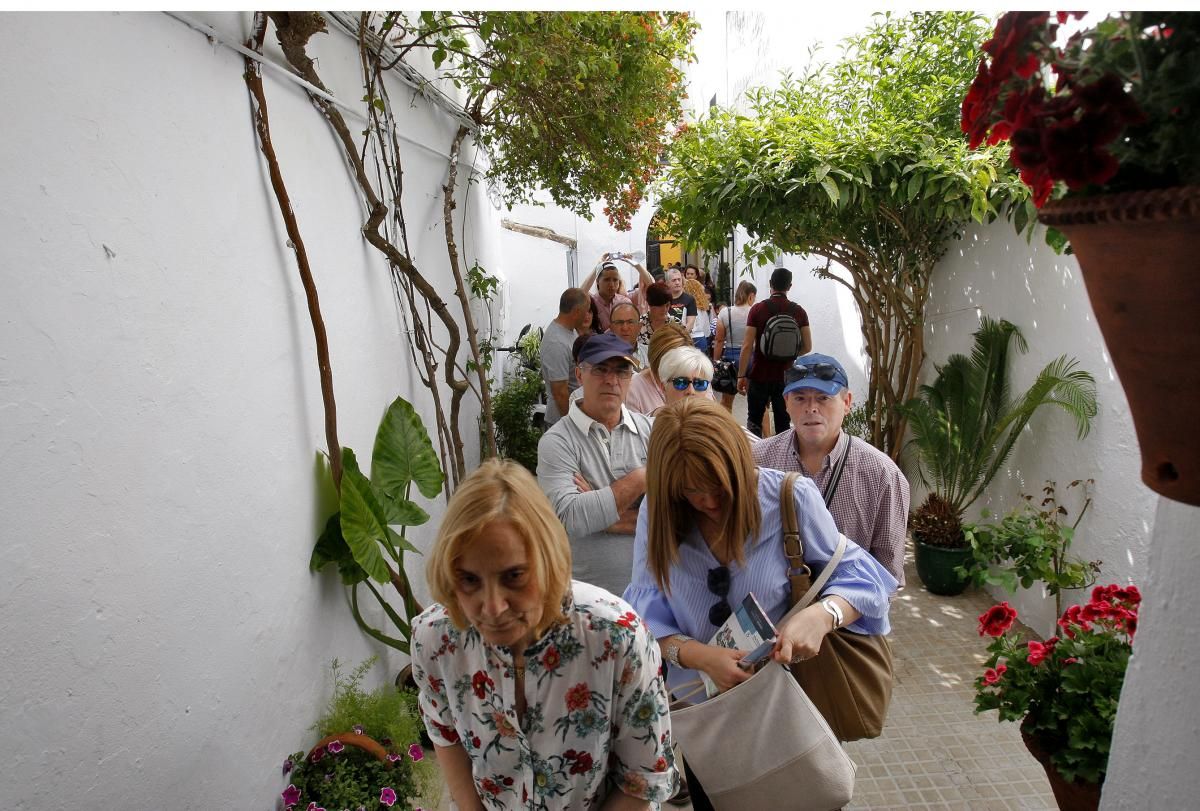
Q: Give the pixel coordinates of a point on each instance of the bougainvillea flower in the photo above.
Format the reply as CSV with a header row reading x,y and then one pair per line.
x,y
416,752
997,620
387,796
291,796
335,746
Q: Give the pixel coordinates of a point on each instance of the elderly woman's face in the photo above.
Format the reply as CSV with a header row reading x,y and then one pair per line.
x,y
496,589
673,394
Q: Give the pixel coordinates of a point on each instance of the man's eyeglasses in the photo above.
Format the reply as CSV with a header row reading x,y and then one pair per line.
x,y
681,383
821,371
719,580
624,322
623,372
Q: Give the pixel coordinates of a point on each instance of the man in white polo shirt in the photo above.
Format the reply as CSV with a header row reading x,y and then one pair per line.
x,y
592,465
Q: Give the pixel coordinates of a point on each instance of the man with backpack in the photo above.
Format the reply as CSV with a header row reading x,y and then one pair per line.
x,y
777,333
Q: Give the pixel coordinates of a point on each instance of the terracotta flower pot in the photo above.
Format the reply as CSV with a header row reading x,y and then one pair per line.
x,y
364,742
1140,257
1071,795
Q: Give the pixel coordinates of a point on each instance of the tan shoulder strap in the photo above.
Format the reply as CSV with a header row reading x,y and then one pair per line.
x,y
793,544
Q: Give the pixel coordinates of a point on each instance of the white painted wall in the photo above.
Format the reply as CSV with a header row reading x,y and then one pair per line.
x,y
993,272
164,644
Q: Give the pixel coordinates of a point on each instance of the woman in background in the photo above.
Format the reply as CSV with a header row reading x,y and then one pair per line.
x,y
731,330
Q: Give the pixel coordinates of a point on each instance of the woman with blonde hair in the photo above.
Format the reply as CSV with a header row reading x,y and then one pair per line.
x,y
731,330
645,394
702,326
710,532
522,709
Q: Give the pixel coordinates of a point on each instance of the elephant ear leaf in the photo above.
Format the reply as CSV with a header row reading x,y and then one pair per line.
x,y
363,522
403,453
403,512
331,547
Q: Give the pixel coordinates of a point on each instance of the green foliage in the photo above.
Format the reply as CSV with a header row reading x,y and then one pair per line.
x,y
351,778
1031,545
576,103
965,424
359,538
862,162
857,422
512,412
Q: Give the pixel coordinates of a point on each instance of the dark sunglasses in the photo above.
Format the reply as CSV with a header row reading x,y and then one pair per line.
x,y
719,580
821,371
681,383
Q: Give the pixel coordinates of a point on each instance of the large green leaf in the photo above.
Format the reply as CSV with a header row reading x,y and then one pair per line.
x,y
401,511
331,548
403,453
364,522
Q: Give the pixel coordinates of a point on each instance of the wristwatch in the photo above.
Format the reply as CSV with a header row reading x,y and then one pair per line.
x,y
677,642
835,611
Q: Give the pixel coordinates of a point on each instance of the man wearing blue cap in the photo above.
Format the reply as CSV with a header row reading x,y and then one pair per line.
x,y
592,465
864,490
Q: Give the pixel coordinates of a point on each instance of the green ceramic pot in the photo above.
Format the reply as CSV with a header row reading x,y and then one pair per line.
x,y
935,567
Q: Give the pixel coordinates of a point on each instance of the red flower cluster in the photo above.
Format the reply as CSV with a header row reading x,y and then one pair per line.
x,y
581,762
1112,608
1038,651
997,620
1060,136
994,674
481,682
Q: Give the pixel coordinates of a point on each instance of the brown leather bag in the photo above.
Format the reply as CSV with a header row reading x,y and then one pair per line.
x,y
850,680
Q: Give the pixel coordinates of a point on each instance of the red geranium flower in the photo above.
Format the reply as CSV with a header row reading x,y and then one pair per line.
x,y
996,620
993,675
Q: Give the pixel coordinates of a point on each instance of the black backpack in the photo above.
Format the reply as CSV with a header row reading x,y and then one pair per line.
x,y
781,338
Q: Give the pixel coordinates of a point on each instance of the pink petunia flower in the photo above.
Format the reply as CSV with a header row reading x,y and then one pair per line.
x,y
291,796
416,752
335,746
387,796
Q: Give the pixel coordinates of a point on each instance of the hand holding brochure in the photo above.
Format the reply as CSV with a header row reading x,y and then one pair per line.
x,y
748,628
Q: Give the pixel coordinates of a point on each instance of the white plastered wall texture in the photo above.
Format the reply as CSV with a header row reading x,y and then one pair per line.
x,y
993,272
164,643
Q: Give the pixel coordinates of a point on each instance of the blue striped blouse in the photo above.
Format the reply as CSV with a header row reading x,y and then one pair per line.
x,y
859,578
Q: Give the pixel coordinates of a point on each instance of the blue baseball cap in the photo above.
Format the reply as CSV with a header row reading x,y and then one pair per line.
x,y
600,348
820,372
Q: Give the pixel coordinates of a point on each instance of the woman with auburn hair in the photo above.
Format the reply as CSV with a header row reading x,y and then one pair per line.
x,y
522,708
731,329
710,532
645,394
702,326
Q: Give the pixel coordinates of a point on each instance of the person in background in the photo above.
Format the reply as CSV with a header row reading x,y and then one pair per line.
x,y
702,326
591,465
759,377
710,532
574,308
658,312
731,329
646,390
541,721
625,324
607,277
684,372
870,499
683,306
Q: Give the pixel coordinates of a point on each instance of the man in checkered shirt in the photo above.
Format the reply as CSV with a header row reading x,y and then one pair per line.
x,y
870,502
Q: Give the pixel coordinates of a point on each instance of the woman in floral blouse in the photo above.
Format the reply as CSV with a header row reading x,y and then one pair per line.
x,y
538,692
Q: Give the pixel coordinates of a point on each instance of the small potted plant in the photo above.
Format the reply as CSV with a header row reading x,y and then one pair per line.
x,y
1102,126
1063,690
368,756
1031,545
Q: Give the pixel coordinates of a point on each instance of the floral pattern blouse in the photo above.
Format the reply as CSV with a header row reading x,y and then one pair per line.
x,y
596,707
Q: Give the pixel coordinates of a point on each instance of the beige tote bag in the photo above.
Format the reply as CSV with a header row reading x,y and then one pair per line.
x,y
762,746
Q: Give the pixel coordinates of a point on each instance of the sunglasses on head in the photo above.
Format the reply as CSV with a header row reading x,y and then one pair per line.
x,y
681,383
718,583
821,371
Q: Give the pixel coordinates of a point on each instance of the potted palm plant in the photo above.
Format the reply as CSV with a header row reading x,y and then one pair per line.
x,y
1102,126
963,428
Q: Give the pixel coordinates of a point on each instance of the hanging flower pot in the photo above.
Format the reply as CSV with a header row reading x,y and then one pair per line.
x,y
1140,257
1070,795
